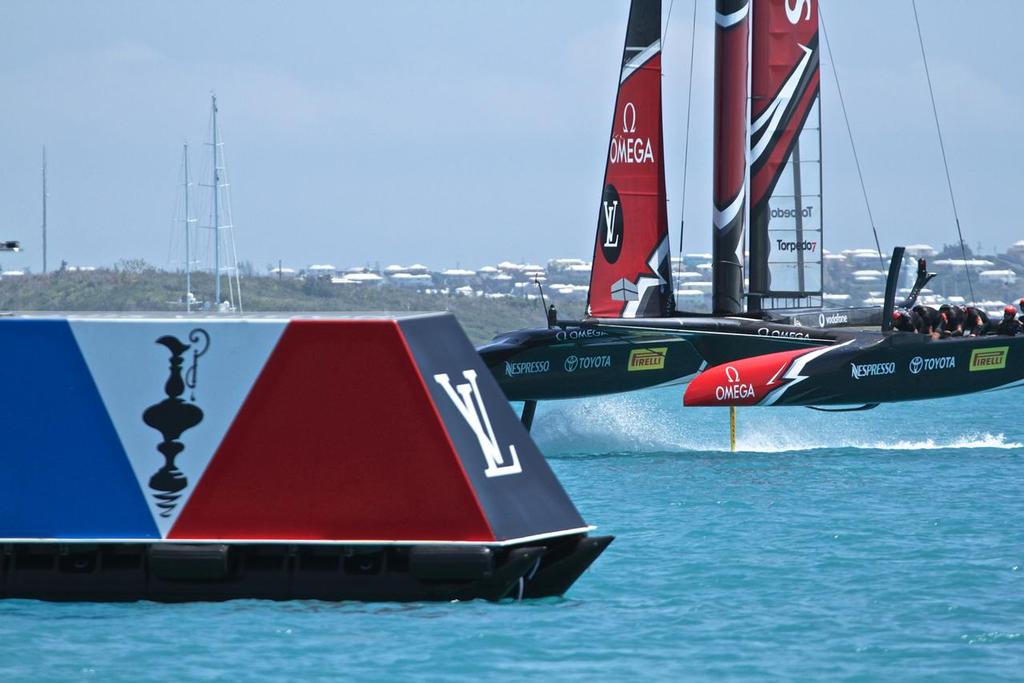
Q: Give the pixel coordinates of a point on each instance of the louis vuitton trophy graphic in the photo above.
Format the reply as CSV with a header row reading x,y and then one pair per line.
x,y
173,416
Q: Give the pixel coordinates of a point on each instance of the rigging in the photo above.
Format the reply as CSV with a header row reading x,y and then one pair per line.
x,y
849,132
942,148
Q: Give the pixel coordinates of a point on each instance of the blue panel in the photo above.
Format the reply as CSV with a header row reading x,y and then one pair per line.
x,y
63,472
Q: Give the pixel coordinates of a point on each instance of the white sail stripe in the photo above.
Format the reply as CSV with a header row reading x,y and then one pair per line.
x,y
638,60
778,106
760,121
659,255
727,20
724,217
765,116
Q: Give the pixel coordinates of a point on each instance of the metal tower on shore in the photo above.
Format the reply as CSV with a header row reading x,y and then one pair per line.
x,y
220,222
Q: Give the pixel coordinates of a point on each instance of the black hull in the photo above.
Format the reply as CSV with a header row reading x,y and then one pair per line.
x,y
163,572
915,367
600,356
901,366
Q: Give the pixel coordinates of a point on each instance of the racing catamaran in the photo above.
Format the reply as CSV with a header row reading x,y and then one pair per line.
x,y
633,336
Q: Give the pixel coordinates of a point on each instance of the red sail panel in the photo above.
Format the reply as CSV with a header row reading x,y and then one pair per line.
x,y
730,153
785,176
631,271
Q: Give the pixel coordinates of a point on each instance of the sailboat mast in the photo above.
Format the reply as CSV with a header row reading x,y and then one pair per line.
x,y
44,209
188,250
732,30
216,208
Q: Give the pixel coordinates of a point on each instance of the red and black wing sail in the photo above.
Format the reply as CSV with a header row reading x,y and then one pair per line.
x,y
732,32
785,155
631,274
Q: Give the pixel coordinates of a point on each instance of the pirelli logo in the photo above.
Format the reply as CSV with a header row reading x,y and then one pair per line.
x,y
647,359
993,358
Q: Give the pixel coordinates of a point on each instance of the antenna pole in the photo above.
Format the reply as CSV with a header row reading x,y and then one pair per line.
x,y
188,251
44,209
216,208
543,301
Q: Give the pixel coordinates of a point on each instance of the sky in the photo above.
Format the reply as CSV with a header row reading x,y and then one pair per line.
x,y
462,133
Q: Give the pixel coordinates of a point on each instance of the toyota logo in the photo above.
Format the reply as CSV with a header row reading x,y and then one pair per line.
x,y
915,364
732,374
571,363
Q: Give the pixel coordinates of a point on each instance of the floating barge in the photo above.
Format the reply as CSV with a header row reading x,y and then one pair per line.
x,y
336,457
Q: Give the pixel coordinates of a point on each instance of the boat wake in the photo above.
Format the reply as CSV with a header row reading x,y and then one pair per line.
x,y
651,424
982,440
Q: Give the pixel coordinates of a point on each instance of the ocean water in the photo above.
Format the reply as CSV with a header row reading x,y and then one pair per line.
x,y
880,545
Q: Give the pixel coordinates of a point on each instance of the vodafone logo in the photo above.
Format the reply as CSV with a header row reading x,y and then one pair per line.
x,y
832,319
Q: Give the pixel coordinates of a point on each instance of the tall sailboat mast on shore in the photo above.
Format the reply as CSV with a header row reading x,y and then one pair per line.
x,y
215,145
220,222
188,230
44,209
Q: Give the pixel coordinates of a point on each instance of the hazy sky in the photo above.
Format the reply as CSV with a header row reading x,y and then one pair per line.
x,y
461,132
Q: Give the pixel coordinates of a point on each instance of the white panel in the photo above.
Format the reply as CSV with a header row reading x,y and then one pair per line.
x,y
787,212
131,369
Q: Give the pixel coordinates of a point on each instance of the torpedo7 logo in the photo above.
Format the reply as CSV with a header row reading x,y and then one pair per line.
x,y
470,403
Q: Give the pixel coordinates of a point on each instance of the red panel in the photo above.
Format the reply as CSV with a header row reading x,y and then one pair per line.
x,y
741,383
780,28
338,440
763,180
730,143
636,168
782,32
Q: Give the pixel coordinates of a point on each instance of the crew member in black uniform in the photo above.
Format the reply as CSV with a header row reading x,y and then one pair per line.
x,y
952,324
929,320
1009,326
903,321
975,321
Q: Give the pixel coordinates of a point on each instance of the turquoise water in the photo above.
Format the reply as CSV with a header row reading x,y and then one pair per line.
x,y
884,545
